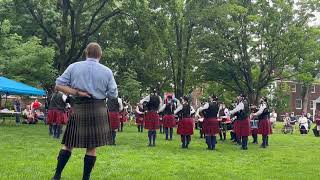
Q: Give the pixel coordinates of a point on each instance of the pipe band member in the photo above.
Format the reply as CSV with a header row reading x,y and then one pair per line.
x,y
115,106
90,83
241,111
264,127
57,113
186,122
139,113
169,120
153,103
210,123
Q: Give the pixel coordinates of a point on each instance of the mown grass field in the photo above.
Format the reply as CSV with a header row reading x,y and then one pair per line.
x,y
27,152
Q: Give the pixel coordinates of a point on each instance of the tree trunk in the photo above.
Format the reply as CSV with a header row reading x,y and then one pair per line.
x,y
305,95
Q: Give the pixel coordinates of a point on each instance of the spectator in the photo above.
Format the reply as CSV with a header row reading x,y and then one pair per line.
x,y
303,124
317,121
17,108
273,118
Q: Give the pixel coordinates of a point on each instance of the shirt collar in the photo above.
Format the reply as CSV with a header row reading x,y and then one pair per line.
x,y
92,59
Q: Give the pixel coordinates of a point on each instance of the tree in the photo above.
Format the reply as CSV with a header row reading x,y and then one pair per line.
x,y
247,44
130,87
26,60
70,25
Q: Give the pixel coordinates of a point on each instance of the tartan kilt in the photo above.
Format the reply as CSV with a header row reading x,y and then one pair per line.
x,y
114,118
151,120
264,127
169,121
139,119
185,126
123,117
243,127
88,125
57,117
318,122
211,126
254,131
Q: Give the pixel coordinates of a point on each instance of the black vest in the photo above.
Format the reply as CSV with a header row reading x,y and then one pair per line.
x,y
185,112
243,114
57,102
153,104
212,111
113,104
169,109
265,114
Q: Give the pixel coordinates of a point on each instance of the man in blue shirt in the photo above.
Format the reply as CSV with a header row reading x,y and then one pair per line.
x,y
90,83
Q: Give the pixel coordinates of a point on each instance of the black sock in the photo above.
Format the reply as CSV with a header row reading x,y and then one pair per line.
x,y
232,135
89,162
114,134
167,133
171,132
264,141
267,142
50,130
213,142
244,142
59,127
188,140
220,134
141,128
154,135
63,158
121,126
224,136
54,129
150,137
208,141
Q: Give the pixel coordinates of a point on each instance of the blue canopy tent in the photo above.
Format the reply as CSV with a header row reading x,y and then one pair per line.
x,y
11,87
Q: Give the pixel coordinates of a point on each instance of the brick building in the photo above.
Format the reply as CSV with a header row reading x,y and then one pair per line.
x,y
296,97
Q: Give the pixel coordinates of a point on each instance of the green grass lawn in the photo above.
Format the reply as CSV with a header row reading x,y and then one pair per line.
x,y
27,152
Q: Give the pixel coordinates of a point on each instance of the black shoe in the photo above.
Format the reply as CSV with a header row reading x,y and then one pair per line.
x,y
56,178
263,146
244,148
150,145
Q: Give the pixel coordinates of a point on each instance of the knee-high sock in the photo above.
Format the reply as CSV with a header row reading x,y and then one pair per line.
x,y
267,142
59,128
138,126
54,129
220,134
89,162
121,124
255,138
154,135
150,136
238,139
244,142
213,142
231,135
224,135
171,133
166,131
141,128
208,141
50,130
114,134
63,158
188,139
264,141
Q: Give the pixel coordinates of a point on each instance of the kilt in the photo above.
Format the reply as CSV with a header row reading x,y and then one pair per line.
x,y
114,118
264,127
211,126
123,117
151,120
139,119
254,131
318,122
57,117
243,127
185,126
169,121
88,125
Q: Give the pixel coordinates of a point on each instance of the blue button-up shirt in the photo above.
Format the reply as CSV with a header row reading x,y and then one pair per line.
x,y
90,76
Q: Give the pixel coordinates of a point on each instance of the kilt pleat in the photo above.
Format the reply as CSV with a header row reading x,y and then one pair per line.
x,y
88,126
211,126
243,127
151,120
264,127
169,121
185,126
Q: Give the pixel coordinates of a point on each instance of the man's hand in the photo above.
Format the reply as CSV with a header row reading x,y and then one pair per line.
x,y
83,94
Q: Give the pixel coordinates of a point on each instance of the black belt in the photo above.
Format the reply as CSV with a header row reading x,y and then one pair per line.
x,y
85,100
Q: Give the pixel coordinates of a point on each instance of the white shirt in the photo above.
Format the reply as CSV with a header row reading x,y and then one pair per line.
x,y
262,107
238,108
147,99
180,107
303,121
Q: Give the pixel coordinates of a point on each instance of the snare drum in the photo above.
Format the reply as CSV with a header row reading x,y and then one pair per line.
x,y
254,124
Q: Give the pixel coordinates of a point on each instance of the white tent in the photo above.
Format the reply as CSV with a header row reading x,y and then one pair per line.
x,y
316,106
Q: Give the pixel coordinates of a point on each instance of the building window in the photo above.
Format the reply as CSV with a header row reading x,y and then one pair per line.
x,y
313,89
298,104
294,88
311,105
